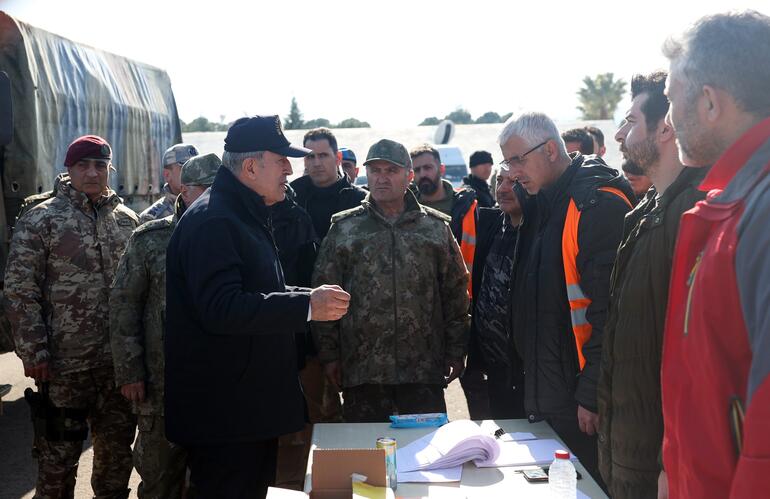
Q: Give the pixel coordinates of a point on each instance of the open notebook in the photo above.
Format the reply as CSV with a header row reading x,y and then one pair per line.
x,y
458,442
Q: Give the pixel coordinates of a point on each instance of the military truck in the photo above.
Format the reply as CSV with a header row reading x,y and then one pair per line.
x,y
61,90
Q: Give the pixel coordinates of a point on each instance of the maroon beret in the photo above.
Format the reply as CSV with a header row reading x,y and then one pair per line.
x,y
87,146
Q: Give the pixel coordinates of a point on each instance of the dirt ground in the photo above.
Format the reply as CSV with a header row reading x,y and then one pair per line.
x,y
18,470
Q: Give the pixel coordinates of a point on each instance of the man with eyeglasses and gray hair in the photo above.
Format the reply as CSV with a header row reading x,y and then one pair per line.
x,y
560,289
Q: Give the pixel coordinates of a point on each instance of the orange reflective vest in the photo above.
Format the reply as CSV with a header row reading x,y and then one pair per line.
x,y
578,301
468,242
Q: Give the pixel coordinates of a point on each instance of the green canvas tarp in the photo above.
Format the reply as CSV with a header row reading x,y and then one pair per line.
x,y
62,90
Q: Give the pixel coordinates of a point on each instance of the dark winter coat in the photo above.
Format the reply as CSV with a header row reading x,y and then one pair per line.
x,y
297,248
630,414
483,191
231,373
542,327
323,202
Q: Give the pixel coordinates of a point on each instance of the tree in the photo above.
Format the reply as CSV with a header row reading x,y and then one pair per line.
x,y
317,123
460,116
352,123
505,117
432,121
199,124
488,117
294,120
600,96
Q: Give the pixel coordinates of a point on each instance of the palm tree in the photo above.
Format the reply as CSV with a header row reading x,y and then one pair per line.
x,y
600,96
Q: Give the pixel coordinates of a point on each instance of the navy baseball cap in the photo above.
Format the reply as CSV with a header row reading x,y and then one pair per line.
x,y
261,133
348,155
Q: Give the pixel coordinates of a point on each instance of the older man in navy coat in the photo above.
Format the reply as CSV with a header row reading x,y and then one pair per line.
x,y
231,376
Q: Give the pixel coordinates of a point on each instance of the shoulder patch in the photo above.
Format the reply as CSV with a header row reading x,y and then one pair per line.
x,y
352,212
43,209
127,212
161,223
437,214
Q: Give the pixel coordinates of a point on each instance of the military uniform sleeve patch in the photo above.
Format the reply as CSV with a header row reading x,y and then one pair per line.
x,y
352,212
437,214
158,224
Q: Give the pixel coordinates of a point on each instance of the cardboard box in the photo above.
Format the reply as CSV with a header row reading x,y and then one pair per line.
x,y
331,473
332,469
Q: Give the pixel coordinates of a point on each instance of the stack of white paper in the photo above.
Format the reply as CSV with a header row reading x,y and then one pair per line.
x,y
439,456
451,445
526,453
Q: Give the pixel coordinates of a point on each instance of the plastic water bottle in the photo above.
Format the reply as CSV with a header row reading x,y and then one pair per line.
x,y
562,478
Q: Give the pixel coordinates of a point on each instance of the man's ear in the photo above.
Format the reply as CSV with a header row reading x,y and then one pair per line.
x,y
410,176
442,169
339,158
665,132
250,167
551,151
713,102
166,174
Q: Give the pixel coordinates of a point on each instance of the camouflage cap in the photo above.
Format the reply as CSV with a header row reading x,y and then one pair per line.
x,y
390,151
178,153
201,170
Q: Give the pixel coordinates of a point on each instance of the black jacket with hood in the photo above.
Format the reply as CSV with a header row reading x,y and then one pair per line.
x,y
483,191
541,323
323,202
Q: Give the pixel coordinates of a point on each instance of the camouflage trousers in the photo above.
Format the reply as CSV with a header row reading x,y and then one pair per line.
x,y
374,403
112,428
161,464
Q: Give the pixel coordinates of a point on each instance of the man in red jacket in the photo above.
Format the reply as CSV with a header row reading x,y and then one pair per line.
x,y
716,353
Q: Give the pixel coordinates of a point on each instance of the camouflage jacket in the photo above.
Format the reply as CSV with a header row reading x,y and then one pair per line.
x,y
61,263
162,208
137,312
35,199
408,312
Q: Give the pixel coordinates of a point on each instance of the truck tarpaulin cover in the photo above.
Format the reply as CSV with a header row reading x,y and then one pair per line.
x,y
62,90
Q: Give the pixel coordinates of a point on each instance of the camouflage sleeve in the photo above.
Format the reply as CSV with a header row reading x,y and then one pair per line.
x,y
127,298
327,271
145,217
453,287
23,302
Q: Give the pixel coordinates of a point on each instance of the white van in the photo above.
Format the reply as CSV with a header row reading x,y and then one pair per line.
x,y
454,161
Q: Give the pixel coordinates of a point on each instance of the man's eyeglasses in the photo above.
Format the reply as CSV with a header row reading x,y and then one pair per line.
x,y
506,164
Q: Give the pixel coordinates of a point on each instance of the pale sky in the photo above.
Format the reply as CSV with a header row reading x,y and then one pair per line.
x,y
391,63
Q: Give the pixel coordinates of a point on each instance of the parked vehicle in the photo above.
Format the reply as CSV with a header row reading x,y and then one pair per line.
x,y
61,90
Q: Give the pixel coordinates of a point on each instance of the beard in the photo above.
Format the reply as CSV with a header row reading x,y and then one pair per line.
x,y
644,154
427,186
697,145
630,167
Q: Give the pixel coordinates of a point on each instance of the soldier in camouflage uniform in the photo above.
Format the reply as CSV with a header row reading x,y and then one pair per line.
x,y
137,311
173,159
6,337
407,325
62,259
